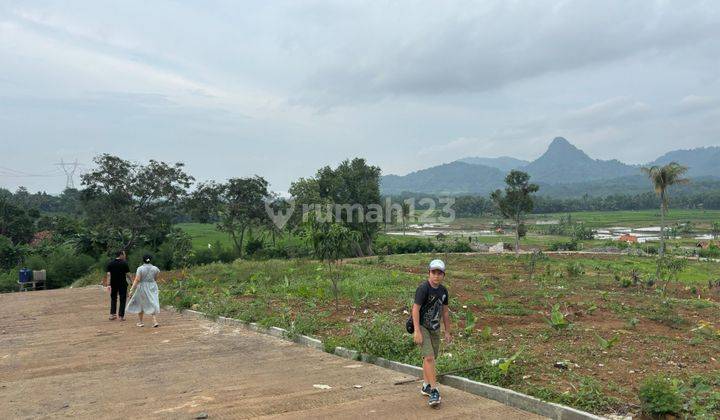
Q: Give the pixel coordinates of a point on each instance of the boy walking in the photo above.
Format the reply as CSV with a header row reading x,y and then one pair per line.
x,y
431,300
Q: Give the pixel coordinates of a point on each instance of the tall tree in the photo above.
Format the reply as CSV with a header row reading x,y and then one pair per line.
x,y
662,177
715,229
405,210
202,203
130,202
354,186
516,201
16,223
242,207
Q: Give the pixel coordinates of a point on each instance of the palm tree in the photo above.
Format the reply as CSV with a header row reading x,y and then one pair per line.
x,y
662,177
405,215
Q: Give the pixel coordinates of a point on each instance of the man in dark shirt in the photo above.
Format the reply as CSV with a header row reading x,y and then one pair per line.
x,y
431,304
117,276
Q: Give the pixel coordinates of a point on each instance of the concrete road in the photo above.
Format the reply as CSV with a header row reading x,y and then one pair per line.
x,y
61,357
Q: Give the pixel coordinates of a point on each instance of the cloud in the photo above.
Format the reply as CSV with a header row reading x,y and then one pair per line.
x,y
457,148
696,103
406,84
618,110
467,48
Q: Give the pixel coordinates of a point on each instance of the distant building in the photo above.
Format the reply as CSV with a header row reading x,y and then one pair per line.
x,y
40,237
707,244
631,239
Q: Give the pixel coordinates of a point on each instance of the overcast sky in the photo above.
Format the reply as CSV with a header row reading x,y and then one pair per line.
x,y
281,88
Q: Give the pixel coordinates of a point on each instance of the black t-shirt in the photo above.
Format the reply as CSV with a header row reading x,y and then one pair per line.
x,y
433,298
117,269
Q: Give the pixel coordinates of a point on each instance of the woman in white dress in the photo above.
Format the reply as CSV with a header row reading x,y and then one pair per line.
x,y
144,293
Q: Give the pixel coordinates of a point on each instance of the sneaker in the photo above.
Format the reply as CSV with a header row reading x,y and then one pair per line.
x,y
425,390
140,324
434,397
112,317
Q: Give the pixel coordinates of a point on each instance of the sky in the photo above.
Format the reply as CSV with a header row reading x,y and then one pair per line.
x,y
282,88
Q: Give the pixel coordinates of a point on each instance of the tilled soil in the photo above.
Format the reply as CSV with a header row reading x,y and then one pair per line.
x,y
61,357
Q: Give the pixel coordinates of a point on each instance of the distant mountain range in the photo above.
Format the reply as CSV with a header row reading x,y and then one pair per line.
x,y
563,170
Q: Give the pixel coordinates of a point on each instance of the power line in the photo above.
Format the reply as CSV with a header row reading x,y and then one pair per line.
x,y
14,173
69,169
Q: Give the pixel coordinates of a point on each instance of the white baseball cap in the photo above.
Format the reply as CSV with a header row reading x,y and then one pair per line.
x,y
437,265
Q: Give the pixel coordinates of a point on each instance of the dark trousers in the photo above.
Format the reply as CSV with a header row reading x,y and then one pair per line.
x,y
118,290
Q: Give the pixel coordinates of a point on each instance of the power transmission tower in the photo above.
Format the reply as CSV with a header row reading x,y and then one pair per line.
x,y
69,169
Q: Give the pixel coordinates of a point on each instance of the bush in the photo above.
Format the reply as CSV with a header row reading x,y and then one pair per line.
x,y
8,281
575,269
216,253
8,253
404,246
63,266
253,245
581,232
383,337
563,246
711,252
95,276
456,246
650,249
281,252
660,396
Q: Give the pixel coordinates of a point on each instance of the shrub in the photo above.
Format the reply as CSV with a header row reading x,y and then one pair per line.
x,y
712,252
215,253
8,281
405,246
557,318
63,266
575,269
456,246
253,245
581,232
563,246
660,396
383,337
8,253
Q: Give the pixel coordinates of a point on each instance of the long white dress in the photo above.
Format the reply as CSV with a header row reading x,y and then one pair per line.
x,y
145,299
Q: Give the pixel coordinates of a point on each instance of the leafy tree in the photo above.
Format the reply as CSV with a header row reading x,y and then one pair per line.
x,y
305,192
670,269
355,186
405,215
8,253
331,242
177,250
242,207
715,229
202,204
662,177
15,223
278,206
516,201
130,202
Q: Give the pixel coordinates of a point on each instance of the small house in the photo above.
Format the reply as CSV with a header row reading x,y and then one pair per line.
x,y
631,239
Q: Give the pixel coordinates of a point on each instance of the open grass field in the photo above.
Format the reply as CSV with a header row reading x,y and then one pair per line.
x,y
203,234
587,331
603,219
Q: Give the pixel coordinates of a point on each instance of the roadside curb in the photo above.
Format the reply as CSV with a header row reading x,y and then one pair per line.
x,y
506,396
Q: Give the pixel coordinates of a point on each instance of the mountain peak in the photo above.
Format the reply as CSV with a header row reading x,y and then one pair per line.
x,y
560,148
561,143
